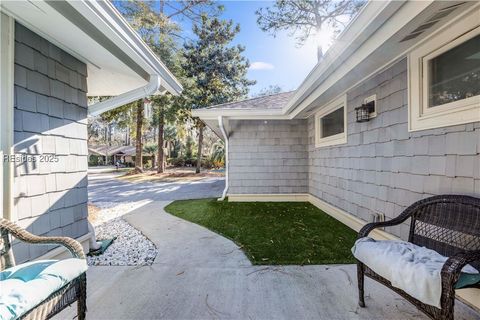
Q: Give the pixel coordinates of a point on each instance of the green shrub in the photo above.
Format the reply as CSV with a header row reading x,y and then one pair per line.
x,y
207,163
176,162
93,160
190,162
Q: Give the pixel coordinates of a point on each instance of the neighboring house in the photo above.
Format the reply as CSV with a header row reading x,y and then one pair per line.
x,y
419,61
53,55
111,154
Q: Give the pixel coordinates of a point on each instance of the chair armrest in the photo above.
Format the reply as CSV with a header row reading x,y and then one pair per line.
x,y
369,227
453,266
72,245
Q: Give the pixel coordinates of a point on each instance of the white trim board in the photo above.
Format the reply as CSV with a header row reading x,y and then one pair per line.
x,y
7,57
280,197
349,220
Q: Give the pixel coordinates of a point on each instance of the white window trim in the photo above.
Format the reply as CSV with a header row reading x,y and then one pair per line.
x,y
6,111
454,113
340,138
370,99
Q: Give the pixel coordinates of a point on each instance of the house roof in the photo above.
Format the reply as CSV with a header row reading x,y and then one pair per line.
x,y
102,150
95,33
269,102
383,33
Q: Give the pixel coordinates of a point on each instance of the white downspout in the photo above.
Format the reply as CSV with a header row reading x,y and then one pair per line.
x,y
93,243
149,89
225,136
115,102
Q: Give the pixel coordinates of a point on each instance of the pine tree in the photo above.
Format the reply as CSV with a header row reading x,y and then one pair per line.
x,y
138,137
154,21
216,69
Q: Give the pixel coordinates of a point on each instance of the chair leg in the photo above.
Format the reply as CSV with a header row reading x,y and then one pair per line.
x,y
361,280
447,303
82,298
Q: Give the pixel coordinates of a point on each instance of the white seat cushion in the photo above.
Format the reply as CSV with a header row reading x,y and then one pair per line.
x,y
414,269
24,286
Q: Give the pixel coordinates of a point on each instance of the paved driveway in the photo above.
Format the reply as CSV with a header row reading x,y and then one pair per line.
x,y
103,187
201,275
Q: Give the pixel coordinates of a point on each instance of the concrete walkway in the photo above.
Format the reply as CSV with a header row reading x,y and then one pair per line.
x,y
201,275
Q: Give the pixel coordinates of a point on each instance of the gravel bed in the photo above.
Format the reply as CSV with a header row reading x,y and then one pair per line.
x,y
131,248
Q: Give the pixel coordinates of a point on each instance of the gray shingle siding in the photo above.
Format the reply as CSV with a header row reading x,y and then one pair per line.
x,y
50,198
267,157
384,168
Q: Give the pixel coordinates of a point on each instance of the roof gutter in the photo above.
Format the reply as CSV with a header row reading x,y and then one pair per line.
x,y
102,22
225,136
151,88
212,114
136,43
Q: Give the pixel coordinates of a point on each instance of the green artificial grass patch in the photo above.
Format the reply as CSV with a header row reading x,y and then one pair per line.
x,y
273,232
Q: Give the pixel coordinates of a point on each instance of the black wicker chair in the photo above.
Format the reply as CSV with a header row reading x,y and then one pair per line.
x,y
75,290
448,224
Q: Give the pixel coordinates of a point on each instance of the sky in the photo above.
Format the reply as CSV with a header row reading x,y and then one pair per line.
x,y
274,61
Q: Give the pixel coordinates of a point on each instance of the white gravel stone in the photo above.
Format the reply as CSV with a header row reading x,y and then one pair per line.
x,y
112,210
131,248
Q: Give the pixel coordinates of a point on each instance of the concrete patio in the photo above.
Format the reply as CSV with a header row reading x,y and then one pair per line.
x,y
201,275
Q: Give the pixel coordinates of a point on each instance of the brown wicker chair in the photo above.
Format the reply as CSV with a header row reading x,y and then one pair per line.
x,y
448,224
76,290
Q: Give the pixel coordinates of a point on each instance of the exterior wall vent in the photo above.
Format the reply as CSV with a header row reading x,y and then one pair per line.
x,y
431,21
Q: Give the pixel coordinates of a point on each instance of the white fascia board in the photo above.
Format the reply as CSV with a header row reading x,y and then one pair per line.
x,y
210,114
110,22
348,39
401,17
375,24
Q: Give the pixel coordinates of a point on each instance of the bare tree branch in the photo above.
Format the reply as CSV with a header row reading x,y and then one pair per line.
x,y
302,17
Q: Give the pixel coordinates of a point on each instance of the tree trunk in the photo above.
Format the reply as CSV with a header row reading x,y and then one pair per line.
x,y
200,145
109,128
318,28
139,143
161,156
319,53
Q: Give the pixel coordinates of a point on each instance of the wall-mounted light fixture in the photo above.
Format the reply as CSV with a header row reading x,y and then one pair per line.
x,y
364,111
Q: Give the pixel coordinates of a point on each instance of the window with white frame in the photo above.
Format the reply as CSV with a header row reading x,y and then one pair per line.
x,y
444,78
331,124
454,75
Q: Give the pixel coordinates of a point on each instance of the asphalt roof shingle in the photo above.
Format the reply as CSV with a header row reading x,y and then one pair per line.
x,y
270,102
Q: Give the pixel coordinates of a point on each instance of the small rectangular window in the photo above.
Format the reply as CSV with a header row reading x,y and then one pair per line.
x,y
455,74
330,124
